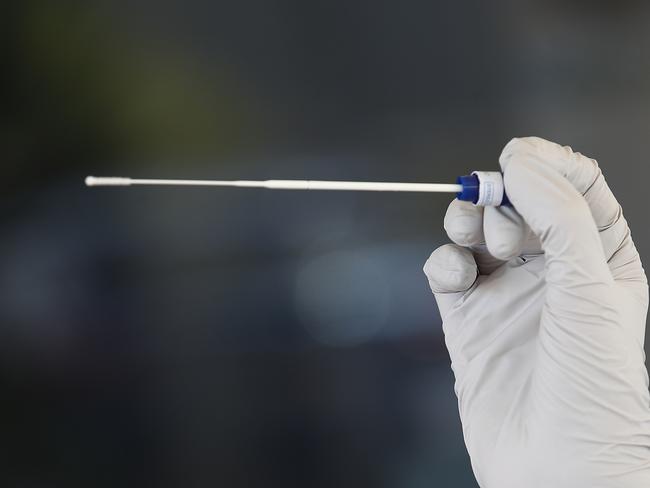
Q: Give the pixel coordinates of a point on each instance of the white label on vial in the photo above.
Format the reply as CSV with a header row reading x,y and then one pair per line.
x,y
490,190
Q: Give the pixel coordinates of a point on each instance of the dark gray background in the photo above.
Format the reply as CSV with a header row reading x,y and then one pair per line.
x,y
241,338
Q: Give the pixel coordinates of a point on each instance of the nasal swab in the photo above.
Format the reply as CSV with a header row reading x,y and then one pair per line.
x,y
481,187
283,184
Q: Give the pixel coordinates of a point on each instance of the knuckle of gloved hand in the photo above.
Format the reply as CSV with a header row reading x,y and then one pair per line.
x,y
463,226
505,232
502,249
521,146
460,233
450,269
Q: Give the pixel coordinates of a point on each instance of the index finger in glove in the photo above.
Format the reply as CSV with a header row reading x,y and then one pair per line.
x,y
564,198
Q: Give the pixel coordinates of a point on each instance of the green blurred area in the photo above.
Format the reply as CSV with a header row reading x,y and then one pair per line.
x,y
80,91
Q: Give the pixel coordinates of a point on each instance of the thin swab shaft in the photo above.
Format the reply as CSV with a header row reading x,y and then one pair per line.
x,y
283,184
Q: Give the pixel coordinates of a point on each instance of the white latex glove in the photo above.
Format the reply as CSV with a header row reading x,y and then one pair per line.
x,y
547,346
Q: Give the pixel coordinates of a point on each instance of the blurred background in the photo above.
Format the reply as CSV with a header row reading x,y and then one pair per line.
x,y
245,338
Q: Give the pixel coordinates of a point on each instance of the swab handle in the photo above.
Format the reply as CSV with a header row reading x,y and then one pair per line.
x,y
482,188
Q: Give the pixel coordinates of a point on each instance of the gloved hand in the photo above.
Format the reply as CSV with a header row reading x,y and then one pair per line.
x,y
544,314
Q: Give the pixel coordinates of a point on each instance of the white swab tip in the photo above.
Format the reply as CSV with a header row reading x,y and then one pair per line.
x,y
107,181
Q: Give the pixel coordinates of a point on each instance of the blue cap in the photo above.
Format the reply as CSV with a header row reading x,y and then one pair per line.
x,y
469,193
470,185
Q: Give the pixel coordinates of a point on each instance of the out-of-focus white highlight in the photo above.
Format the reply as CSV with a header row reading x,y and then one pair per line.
x,y
343,298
